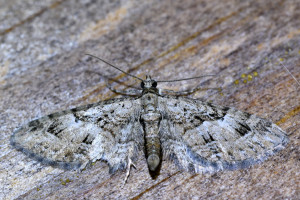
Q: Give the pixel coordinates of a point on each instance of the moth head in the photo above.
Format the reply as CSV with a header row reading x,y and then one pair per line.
x,y
148,83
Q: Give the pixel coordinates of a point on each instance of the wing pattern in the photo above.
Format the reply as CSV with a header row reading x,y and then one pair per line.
x,y
201,137
73,138
196,135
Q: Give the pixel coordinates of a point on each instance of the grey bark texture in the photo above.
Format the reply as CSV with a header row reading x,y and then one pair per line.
x,y
44,69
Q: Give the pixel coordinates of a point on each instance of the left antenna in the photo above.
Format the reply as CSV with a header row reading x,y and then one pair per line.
x,y
114,66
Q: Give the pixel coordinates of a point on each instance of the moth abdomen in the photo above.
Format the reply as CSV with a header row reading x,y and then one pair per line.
x,y
153,152
150,123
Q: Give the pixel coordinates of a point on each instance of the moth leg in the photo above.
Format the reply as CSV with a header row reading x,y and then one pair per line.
x,y
121,157
125,93
130,92
184,92
129,164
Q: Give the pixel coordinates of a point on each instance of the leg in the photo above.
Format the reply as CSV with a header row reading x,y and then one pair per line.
x,y
121,158
130,92
129,164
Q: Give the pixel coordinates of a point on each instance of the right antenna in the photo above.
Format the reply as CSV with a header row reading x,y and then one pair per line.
x,y
184,79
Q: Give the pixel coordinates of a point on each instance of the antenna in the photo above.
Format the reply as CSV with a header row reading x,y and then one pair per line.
x,y
289,72
184,79
114,66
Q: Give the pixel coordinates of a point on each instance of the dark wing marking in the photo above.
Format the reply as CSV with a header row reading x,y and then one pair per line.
x,y
71,139
202,137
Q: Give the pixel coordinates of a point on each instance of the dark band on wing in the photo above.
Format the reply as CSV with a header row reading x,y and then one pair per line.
x,y
243,129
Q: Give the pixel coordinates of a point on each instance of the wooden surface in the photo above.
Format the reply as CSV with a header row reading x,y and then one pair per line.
x,y
43,69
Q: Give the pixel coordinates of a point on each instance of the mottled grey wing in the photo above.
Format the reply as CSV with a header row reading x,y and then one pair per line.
x,y
201,137
108,131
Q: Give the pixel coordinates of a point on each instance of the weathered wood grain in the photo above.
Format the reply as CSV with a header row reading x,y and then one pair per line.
x,y
43,69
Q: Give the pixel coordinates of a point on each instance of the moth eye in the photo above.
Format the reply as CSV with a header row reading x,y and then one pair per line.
x,y
142,85
154,84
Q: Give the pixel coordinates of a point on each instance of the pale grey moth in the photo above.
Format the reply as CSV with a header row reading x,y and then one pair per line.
x,y
196,135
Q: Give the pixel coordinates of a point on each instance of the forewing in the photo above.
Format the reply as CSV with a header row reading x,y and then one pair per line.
x,y
202,137
70,139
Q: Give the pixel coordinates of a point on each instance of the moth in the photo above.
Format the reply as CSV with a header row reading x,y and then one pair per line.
x,y
197,136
